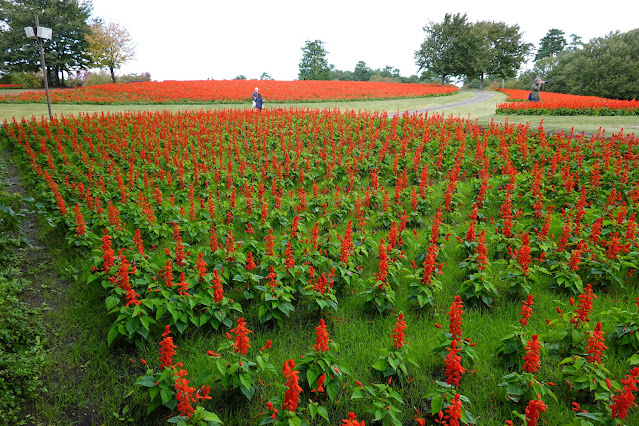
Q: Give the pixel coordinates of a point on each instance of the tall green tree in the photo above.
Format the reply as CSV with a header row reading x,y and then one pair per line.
x,y
499,51
362,72
66,51
551,44
448,47
606,66
110,45
313,65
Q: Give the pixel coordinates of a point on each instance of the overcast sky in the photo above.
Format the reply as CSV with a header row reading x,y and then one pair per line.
x,y
200,39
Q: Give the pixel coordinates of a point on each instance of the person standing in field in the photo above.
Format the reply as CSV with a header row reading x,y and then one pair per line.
x,y
535,89
259,102
255,93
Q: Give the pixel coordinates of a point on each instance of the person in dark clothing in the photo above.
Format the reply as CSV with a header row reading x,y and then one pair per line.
x,y
254,95
535,89
259,102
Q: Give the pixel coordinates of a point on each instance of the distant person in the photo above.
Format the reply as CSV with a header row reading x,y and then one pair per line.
x,y
535,90
259,102
255,93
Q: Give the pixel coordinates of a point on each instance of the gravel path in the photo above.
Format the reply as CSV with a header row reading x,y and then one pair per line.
x,y
478,96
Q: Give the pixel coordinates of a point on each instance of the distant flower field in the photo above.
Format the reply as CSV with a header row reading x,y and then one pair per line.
x,y
231,91
562,104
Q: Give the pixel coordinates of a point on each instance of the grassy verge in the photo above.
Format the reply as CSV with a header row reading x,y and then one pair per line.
x,y
22,334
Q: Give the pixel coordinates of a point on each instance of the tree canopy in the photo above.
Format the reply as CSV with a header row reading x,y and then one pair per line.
x,y
447,49
313,65
500,50
551,44
606,66
458,48
66,51
110,45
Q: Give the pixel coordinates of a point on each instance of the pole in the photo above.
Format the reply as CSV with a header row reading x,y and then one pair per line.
x,y
44,69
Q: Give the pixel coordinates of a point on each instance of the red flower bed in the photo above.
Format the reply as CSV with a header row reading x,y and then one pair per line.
x,y
232,91
10,86
563,104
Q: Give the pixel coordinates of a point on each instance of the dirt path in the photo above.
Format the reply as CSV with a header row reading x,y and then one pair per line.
x,y
478,96
47,289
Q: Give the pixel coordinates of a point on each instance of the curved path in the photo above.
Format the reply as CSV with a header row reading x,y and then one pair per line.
x,y
478,96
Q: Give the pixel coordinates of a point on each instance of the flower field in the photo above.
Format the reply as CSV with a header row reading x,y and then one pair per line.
x,y
562,104
350,268
10,86
231,91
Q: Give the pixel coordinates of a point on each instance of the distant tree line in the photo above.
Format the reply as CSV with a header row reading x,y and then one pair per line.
x,y
605,66
314,66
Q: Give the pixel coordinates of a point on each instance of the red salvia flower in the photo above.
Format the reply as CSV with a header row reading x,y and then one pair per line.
x,y
480,250
526,310
455,318
595,346
250,262
625,400
321,343
269,241
531,358
167,349
183,285
346,244
216,285
584,307
107,252
454,369
200,267
398,332
320,384
184,393
532,411
352,420
289,261
383,263
80,228
242,342
167,273
213,239
292,393
139,244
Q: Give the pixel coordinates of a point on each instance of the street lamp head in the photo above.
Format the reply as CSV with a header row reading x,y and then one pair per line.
x,y
30,31
45,33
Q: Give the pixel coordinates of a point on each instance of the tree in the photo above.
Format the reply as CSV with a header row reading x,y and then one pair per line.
x,y
552,43
240,77
606,67
499,50
67,51
265,76
110,45
447,49
362,72
575,43
313,65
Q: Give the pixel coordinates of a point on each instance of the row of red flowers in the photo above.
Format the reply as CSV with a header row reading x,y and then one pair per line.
x,y
232,91
564,104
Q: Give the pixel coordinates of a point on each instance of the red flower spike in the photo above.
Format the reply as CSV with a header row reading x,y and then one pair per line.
x,y
242,342
398,332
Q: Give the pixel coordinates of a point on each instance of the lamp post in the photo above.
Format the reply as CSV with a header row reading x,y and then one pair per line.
x,y
39,33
